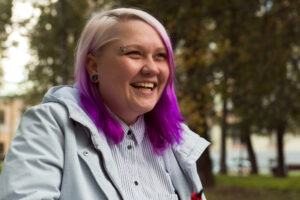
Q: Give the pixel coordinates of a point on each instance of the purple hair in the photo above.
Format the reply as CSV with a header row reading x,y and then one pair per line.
x,y
163,122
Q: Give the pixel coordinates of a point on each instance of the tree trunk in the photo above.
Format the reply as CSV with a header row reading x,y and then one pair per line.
x,y
63,43
246,138
204,165
223,167
280,170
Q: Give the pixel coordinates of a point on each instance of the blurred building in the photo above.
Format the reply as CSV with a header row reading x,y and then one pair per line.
x,y
11,110
265,147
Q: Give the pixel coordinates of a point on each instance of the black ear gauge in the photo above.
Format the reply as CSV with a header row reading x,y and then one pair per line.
x,y
95,78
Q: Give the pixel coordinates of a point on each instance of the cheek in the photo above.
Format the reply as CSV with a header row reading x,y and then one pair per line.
x,y
116,79
165,73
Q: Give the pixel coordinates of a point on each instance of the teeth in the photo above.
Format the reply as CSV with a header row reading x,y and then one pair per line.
x,y
145,85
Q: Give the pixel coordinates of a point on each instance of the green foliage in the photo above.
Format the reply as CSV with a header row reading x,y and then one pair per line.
x,y
5,22
264,82
53,42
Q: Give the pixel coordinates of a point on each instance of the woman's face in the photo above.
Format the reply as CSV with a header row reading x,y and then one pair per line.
x,y
133,70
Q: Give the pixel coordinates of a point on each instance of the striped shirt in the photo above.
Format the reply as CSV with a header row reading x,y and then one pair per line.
x,y
142,173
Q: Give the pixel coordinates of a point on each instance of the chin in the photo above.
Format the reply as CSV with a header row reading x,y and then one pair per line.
x,y
145,109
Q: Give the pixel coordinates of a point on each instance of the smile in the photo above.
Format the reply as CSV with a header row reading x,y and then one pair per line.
x,y
144,85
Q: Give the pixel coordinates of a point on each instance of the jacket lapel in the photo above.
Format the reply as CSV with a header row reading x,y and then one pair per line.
x,y
181,163
109,164
92,161
178,177
103,155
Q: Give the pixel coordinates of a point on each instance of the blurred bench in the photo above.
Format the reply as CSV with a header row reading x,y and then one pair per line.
x,y
293,167
288,168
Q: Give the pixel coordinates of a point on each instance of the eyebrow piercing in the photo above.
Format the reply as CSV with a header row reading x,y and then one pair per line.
x,y
123,49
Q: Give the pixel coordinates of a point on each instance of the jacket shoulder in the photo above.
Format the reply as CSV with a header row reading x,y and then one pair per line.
x,y
36,153
191,146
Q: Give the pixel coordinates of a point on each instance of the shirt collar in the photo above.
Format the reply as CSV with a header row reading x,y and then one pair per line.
x,y
138,128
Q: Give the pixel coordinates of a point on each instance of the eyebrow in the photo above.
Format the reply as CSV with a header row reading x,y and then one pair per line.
x,y
141,47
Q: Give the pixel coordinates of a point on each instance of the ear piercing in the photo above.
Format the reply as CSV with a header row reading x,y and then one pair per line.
x,y
95,78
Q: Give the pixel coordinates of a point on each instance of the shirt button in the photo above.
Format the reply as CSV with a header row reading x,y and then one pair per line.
x,y
129,147
129,133
136,183
85,153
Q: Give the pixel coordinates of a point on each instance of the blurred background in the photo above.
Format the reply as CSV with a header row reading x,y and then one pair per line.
x,y
238,80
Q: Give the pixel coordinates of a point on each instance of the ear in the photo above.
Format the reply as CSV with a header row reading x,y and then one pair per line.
x,y
91,65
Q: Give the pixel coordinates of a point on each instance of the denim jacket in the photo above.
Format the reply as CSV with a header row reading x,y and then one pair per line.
x,y
58,153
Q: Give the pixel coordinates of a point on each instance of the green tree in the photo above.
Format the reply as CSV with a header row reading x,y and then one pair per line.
x,y
5,22
280,25
53,41
265,89
235,21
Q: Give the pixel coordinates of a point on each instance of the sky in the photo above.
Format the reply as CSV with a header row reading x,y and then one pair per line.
x,y
17,55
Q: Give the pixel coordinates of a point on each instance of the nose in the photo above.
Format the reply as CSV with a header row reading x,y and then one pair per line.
x,y
150,67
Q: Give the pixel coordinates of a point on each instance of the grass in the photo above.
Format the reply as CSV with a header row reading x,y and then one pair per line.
x,y
255,188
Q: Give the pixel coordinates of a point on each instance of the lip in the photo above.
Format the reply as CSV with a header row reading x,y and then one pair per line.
x,y
143,92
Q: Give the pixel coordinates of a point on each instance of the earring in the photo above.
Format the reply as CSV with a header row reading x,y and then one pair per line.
x,y
123,49
95,78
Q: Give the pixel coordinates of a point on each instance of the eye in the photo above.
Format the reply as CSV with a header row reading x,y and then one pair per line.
x,y
134,54
161,56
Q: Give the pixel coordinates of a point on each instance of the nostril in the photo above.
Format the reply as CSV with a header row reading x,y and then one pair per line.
x,y
150,69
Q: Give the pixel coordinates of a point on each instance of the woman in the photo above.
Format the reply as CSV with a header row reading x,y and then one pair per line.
x,y
117,133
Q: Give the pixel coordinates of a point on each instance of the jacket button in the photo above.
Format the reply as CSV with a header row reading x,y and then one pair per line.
x,y
85,153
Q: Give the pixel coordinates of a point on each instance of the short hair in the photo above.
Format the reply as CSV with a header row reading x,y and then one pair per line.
x,y
163,122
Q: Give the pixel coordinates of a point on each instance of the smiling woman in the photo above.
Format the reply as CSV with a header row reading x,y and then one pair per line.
x,y
117,133
128,69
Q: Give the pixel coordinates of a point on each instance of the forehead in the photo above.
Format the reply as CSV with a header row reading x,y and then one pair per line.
x,y
136,30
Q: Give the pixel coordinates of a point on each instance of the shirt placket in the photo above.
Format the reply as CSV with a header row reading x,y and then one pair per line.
x,y
132,149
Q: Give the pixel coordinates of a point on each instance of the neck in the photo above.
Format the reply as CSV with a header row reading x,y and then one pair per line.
x,y
128,120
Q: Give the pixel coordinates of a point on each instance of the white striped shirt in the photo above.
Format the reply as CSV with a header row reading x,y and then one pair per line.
x,y
142,173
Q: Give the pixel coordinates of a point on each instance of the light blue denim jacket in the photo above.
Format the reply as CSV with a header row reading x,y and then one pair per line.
x,y
58,153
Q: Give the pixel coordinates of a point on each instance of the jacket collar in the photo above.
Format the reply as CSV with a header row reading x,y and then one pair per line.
x,y
181,163
190,148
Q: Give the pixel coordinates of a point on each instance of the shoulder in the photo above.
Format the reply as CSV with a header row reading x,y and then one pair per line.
x,y
41,131
191,146
36,153
46,113
43,122
49,108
